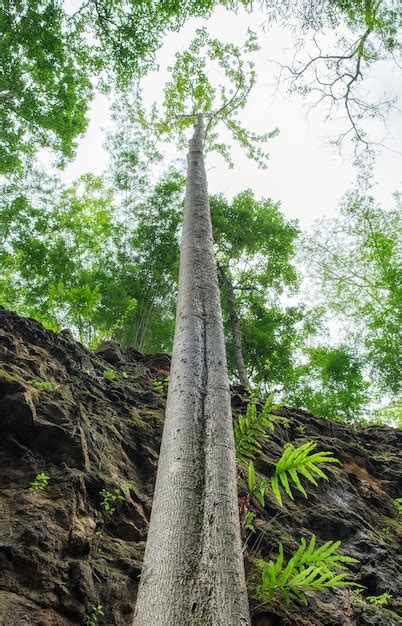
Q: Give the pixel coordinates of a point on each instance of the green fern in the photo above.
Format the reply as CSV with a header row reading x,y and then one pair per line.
x,y
307,569
252,429
295,461
323,556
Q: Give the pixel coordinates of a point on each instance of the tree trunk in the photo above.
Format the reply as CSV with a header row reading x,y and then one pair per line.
x,y
193,571
236,332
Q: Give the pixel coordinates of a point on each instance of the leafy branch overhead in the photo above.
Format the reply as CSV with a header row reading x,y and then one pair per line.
x,y
191,91
334,73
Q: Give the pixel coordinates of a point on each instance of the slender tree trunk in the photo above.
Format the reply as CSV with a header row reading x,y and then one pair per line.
x,y
193,571
236,331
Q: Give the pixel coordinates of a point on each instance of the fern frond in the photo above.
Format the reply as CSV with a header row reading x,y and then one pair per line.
x,y
295,461
324,555
307,569
250,431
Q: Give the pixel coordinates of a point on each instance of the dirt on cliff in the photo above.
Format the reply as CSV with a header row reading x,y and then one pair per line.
x,y
92,423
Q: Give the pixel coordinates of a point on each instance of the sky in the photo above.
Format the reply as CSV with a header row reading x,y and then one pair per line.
x,y
305,174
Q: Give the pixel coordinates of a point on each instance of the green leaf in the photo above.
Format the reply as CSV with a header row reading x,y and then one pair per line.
x,y
251,476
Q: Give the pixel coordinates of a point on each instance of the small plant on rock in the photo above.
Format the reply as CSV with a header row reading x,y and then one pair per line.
x,y
253,428
309,568
299,461
40,483
96,612
109,499
43,385
160,385
109,374
250,520
398,503
381,600
256,488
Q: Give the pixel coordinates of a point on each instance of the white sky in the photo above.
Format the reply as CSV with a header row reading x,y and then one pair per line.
x,y
305,174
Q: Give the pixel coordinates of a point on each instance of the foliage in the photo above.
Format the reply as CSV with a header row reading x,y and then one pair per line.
x,y
44,385
295,461
398,504
56,242
251,430
190,92
380,600
96,612
40,483
127,33
357,265
51,54
110,498
255,241
255,246
332,70
307,569
68,261
150,214
44,85
329,383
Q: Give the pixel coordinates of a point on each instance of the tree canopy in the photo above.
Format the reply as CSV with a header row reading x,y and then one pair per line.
x,y
52,56
101,254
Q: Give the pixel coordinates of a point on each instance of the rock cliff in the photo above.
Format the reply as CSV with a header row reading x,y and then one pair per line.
x,y
91,423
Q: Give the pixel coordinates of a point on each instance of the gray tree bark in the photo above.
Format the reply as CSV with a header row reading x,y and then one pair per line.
x,y
193,572
236,331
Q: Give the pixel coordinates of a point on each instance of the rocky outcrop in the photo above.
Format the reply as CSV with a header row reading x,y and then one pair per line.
x,y
92,422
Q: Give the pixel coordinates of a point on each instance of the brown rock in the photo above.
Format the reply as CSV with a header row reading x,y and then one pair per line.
x,y
61,554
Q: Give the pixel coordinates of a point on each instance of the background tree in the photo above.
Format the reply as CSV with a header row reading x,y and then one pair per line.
x,y
255,245
44,83
57,246
69,258
337,44
330,383
149,210
357,265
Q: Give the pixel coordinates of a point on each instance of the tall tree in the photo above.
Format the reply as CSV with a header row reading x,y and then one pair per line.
x,y
149,213
193,565
193,568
